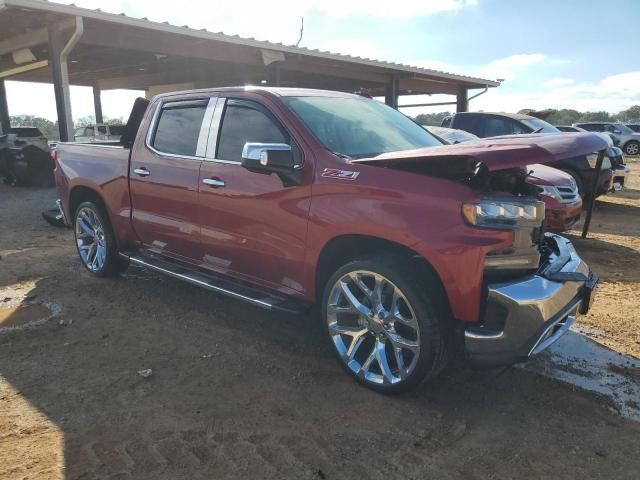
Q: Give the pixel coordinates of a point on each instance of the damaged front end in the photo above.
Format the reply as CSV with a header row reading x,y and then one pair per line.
x,y
535,287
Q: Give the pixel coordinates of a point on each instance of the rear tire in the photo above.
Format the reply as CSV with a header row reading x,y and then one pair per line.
x,y
96,241
388,325
632,148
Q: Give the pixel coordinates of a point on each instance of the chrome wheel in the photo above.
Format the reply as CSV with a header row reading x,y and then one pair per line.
x,y
90,239
373,327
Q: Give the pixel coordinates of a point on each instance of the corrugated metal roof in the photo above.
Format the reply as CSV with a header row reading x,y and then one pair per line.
x,y
122,18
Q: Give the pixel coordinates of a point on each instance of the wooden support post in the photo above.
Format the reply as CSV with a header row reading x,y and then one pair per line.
x,y
97,104
5,121
462,102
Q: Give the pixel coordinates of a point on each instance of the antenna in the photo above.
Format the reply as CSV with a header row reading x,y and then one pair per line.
x,y
301,30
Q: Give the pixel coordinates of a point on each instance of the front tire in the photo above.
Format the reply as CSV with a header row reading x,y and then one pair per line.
x,y
387,324
632,148
96,242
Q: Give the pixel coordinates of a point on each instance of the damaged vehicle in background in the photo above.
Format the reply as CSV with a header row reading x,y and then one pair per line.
x,y
25,158
293,198
580,167
557,189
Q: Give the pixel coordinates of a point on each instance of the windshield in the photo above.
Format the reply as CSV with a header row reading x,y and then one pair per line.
x,y
623,128
539,126
359,128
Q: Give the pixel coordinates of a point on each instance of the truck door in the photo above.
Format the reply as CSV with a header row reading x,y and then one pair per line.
x,y
164,178
253,225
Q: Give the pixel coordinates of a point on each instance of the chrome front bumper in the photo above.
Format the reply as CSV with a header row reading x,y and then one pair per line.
x,y
526,315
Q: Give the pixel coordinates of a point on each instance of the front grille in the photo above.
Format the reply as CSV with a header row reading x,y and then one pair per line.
x,y
569,194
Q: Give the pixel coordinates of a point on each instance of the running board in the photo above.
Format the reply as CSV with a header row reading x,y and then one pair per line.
x,y
218,284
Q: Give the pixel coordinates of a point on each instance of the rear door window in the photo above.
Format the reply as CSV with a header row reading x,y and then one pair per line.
x,y
469,123
496,126
178,127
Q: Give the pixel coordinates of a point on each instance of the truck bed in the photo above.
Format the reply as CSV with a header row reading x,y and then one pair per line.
x,y
102,167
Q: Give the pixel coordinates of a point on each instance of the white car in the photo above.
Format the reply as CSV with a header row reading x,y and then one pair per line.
x,y
98,133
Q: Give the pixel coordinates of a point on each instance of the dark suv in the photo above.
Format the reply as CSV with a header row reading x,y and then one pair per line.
x,y
581,168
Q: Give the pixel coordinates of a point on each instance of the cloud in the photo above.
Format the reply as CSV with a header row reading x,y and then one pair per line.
x,y
274,20
558,82
612,94
506,68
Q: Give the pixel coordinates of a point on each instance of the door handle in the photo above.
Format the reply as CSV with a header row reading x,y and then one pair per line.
x,y
143,172
213,182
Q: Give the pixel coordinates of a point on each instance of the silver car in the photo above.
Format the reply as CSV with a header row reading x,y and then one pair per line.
x,y
629,140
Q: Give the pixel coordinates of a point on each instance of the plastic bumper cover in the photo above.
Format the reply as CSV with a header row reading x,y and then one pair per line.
x,y
536,309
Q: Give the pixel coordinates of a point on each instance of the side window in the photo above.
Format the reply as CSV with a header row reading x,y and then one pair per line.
x,y
88,132
469,123
79,132
178,127
495,126
102,129
246,121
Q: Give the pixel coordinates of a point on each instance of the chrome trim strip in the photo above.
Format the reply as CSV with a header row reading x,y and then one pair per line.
x,y
205,128
197,282
214,130
483,336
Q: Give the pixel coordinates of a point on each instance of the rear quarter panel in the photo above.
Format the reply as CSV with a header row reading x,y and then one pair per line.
x,y
103,169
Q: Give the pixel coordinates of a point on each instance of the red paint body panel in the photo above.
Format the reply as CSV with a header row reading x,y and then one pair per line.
x,y
258,230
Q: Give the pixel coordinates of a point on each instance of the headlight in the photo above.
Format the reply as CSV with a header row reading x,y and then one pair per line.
x,y
593,159
503,213
550,191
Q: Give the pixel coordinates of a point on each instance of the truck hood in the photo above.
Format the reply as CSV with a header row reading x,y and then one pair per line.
x,y
501,153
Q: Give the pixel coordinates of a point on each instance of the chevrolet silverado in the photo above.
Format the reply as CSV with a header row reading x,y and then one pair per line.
x,y
291,198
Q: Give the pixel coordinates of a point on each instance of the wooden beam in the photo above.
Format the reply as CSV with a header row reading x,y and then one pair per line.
x,y
30,39
24,68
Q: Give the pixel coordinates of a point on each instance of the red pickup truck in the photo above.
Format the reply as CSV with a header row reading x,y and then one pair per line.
x,y
290,198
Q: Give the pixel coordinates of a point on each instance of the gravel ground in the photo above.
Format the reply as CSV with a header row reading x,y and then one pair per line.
x,y
145,377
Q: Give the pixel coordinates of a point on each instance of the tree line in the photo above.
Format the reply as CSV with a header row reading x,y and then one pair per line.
x,y
564,116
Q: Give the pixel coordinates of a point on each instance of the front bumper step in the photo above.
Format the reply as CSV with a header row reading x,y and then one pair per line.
x,y
534,311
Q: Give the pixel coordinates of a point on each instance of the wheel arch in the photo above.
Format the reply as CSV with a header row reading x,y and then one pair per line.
x,y
82,193
347,247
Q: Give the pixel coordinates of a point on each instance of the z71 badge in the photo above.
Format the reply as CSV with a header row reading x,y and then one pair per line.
x,y
343,174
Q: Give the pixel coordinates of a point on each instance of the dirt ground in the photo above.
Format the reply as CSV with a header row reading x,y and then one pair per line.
x,y
236,392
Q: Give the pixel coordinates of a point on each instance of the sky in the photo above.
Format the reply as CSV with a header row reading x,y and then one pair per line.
x,y
580,54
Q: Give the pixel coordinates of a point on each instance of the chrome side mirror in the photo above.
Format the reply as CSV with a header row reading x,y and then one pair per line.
x,y
270,157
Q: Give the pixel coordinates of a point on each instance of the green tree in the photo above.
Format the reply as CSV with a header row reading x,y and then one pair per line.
x,y
631,114
48,128
431,119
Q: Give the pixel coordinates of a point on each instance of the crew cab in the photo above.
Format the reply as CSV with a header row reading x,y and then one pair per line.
x,y
580,167
292,199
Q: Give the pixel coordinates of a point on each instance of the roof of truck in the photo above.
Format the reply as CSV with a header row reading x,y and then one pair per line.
x,y
278,91
515,116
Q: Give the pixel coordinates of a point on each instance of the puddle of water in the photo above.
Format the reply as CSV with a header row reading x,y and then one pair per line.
x,y
580,361
20,309
19,315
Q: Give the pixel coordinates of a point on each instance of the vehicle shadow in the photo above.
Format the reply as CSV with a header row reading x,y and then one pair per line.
x,y
610,260
146,377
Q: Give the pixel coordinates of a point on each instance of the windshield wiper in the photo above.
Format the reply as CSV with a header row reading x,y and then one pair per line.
x,y
539,130
342,155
